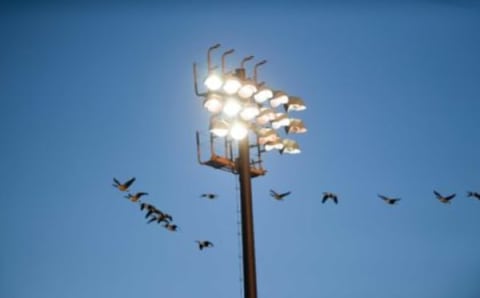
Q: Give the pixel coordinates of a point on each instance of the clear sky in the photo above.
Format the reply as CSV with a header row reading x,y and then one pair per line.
x,y
89,92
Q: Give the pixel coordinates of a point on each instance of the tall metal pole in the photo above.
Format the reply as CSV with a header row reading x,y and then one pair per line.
x,y
248,239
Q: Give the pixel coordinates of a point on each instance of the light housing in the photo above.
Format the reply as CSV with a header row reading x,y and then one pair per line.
x,y
263,94
296,126
232,107
279,98
219,127
294,104
213,81
247,89
213,103
280,120
249,111
277,144
266,115
266,135
232,84
290,147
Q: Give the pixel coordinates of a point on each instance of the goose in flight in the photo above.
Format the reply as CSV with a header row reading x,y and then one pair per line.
x,y
444,199
171,227
279,196
160,218
473,194
210,196
388,200
203,244
329,195
135,197
123,186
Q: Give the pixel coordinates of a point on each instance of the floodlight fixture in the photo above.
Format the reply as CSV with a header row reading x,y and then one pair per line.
x,y
290,147
232,84
247,89
296,126
219,127
274,145
264,93
267,135
295,104
213,81
238,130
213,103
266,115
280,120
232,107
279,98
249,111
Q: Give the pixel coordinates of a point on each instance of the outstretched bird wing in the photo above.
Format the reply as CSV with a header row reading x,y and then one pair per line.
x,y
438,195
129,182
383,197
116,181
450,197
335,199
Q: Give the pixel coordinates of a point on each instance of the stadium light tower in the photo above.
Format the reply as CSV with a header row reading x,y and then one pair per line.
x,y
244,112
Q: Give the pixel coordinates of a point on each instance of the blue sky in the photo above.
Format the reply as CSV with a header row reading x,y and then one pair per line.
x,y
95,91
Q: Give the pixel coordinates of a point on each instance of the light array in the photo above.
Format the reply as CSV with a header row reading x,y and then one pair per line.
x,y
238,105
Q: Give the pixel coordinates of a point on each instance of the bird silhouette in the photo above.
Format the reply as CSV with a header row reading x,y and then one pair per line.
x,y
473,194
135,197
171,227
329,195
160,218
203,244
444,199
279,196
388,200
123,186
210,196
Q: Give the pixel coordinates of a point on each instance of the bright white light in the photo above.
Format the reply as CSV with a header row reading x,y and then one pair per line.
x,y
219,127
213,103
267,135
265,116
295,104
279,98
263,94
249,111
238,130
232,84
278,145
232,107
247,90
296,126
290,147
280,120
213,82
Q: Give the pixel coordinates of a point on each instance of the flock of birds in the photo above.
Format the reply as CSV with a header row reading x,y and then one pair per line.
x,y
153,214
389,200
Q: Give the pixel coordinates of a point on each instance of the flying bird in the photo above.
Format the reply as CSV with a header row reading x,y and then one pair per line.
x,y
329,195
388,200
159,218
171,227
279,196
203,244
210,196
444,199
473,194
123,186
134,198
150,209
